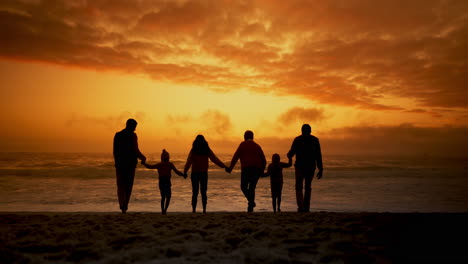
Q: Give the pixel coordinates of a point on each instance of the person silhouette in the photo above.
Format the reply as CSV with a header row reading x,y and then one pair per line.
x,y
164,170
126,155
253,163
198,160
308,157
275,171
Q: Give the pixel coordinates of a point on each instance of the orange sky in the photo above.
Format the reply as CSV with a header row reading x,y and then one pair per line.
x,y
370,78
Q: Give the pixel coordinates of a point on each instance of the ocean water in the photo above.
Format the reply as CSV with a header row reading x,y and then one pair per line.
x,y
75,182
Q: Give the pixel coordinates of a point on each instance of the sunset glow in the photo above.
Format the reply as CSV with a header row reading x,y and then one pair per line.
x,y
370,78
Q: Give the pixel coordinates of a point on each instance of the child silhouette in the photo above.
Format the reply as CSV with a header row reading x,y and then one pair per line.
x,y
275,171
164,170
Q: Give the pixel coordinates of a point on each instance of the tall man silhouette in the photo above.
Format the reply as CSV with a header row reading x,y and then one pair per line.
x,y
308,157
126,155
253,163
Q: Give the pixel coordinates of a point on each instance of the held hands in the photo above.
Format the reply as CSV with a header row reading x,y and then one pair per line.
x,y
228,170
185,175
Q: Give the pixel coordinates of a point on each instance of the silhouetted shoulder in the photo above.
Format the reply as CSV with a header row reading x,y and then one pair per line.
x,y
305,139
124,148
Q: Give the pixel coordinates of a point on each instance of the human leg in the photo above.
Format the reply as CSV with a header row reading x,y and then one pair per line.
x,y
165,189
129,186
163,201
124,176
168,196
273,198
195,187
253,179
274,195
120,189
244,183
299,194
168,200
280,190
249,179
308,189
163,198
273,203
245,187
204,189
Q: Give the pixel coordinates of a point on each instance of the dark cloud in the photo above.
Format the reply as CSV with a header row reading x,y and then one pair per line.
x,y
402,140
303,115
422,111
351,53
405,139
174,18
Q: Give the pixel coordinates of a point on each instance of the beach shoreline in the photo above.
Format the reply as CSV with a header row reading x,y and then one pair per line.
x,y
232,237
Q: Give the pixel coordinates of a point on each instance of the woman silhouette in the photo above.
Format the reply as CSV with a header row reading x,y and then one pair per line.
x,y
198,160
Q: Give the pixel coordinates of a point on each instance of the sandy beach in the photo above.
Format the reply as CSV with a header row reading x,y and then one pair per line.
x,y
319,237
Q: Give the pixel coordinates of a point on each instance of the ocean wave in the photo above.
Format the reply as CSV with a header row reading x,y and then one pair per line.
x,y
101,165
81,173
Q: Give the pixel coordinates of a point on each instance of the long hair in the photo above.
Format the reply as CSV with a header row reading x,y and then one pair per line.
x,y
200,146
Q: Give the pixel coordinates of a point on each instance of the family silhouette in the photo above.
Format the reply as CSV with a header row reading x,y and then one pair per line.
x,y
305,147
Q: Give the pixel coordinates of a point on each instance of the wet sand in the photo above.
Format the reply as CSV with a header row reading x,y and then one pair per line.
x,y
318,237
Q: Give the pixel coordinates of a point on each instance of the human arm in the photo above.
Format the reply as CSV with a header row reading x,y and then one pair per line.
x,y
188,164
216,161
117,148
268,172
114,146
137,150
286,164
234,160
148,166
262,156
263,160
293,150
178,172
320,174
319,161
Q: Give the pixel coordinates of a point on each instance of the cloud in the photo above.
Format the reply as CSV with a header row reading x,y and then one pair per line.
x,y
347,53
217,122
404,140
300,114
423,111
211,122
172,17
178,119
177,122
111,123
